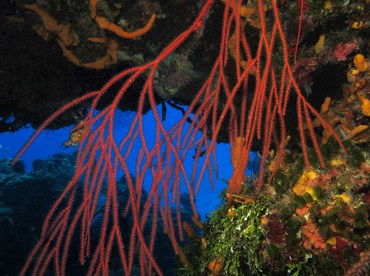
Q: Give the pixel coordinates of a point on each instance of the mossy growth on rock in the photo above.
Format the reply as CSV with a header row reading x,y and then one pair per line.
x,y
304,223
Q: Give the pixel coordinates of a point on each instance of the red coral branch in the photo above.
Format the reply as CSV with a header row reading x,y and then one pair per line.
x,y
101,156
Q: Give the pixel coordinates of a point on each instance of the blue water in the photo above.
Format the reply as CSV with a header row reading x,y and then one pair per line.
x,y
51,142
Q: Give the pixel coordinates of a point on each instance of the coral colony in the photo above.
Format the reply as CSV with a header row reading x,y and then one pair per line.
x,y
257,81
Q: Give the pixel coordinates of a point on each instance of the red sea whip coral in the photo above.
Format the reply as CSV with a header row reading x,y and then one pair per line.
x,y
102,157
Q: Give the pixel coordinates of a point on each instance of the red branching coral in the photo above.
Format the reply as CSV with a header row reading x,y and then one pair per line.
x,y
101,156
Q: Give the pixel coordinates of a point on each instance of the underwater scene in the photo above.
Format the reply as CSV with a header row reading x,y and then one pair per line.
x,y
177,137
